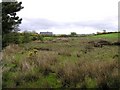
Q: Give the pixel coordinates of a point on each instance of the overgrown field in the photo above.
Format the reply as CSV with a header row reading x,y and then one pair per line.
x,y
71,62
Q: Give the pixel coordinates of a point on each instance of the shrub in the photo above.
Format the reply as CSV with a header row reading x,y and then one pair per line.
x,y
34,38
12,37
26,37
40,37
73,34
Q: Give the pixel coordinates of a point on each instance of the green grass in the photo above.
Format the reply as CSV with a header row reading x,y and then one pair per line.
x,y
112,36
75,63
48,38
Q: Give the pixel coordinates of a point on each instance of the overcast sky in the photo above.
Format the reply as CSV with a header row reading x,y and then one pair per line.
x,y
65,16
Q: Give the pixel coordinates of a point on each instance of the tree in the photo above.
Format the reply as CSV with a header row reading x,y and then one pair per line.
x,y
10,20
73,34
104,31
0,27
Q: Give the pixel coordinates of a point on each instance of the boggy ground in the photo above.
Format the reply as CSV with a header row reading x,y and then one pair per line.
x,y
72,62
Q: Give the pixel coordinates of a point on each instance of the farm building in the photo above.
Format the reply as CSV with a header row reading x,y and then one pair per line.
x,y
46,33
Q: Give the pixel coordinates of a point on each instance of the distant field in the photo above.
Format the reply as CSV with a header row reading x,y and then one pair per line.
x,y
113,35
71,62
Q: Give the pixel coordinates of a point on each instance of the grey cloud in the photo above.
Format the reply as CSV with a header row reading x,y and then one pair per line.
x,y
37,24
34,24
97,25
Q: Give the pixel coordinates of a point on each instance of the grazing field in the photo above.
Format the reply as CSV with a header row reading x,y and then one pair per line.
x,y
110,36
64,62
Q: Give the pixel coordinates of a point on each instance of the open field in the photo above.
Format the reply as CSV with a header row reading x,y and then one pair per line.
x,y
110,36
80,62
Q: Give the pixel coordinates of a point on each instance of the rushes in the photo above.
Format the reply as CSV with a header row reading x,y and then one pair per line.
x,y
64,52
75,64
72,74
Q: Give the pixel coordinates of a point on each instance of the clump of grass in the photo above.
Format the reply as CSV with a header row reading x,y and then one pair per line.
x,y
90,83
102,70
44,60
67,73
12,49
64,52
98,74
50,81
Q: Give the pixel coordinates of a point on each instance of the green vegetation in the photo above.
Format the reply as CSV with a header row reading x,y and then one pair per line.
x,y
31,60
10,20
73,34
62,62
112,35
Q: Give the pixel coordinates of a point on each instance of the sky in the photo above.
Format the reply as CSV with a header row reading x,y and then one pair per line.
x,y
66,16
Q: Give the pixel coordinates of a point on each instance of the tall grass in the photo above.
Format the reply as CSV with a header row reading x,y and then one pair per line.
x,y
69,64
102,74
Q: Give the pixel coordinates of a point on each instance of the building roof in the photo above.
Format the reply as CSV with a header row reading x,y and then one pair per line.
x,y
46,33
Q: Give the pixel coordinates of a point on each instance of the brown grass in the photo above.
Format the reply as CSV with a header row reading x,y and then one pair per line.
x,y
95,66
102,72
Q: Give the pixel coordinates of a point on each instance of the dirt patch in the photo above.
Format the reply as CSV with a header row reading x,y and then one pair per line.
x,y
117,43
64,53
100,43
43,49
62,39
95,44
104,42
54,41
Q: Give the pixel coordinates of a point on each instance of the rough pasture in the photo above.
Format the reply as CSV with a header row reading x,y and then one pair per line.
x,y
79,62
